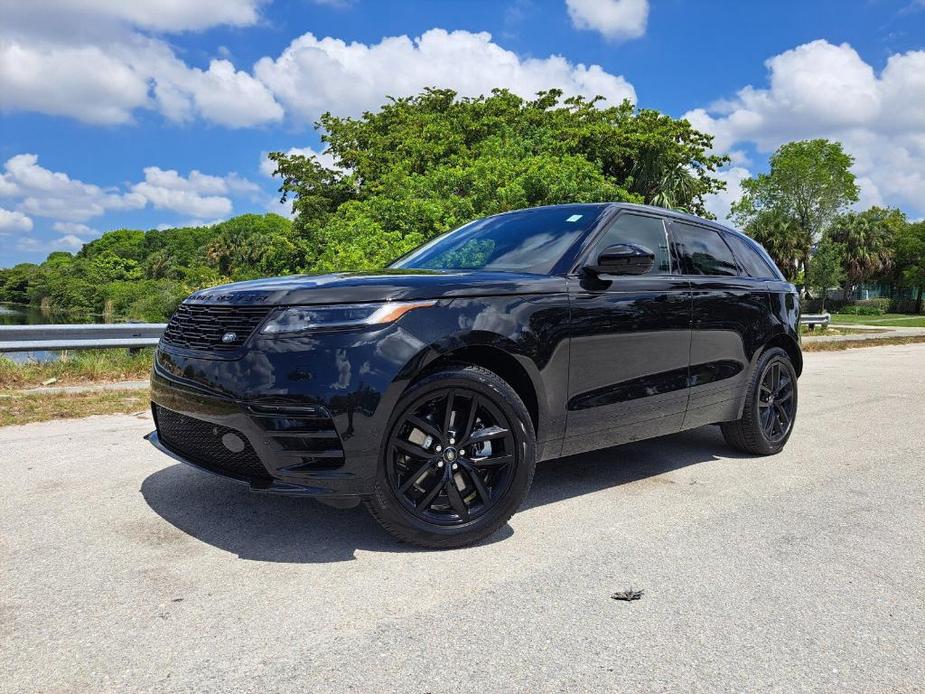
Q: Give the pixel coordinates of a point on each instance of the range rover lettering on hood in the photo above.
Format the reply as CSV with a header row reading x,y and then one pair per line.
x,y
230,298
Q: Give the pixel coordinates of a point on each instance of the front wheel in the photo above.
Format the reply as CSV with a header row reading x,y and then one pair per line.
x,y
770,407
458,461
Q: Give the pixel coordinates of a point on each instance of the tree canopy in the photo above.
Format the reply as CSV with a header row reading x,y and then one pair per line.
x,y
141,275
910,258
428,163
866,240
808,184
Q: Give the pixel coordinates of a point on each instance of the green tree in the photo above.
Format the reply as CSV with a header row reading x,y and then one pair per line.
x,y
422,165
826,271
252,245
808,184
18,283
781,238
866,239
910,258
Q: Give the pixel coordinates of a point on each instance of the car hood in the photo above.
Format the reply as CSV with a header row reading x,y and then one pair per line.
x,y
382,285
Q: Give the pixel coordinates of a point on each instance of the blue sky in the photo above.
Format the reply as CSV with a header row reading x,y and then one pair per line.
x,y
147,113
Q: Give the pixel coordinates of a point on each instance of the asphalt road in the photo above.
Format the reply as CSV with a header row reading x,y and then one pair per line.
x,y
120,570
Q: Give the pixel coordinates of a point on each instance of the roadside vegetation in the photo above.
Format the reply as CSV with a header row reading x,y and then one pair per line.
x,y
806,331
76,368
19,408
840,345
893,320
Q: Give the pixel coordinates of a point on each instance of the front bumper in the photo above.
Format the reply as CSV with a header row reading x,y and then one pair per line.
x,y
281,447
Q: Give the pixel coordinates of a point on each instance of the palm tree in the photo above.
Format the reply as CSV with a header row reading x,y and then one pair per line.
x,y
781,237
867,242
675,189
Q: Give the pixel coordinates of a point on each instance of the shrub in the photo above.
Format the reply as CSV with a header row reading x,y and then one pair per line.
x,y
861,310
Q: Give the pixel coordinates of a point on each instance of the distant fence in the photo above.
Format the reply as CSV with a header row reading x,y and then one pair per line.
x,y
38,338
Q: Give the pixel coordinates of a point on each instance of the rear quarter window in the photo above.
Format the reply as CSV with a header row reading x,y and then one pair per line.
x,y
750,259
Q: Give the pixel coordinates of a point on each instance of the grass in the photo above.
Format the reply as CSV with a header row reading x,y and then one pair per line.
x,y
20,408
75,368
839,345
895,320
820,331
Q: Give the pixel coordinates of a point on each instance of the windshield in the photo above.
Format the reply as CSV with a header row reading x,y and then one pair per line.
x,y
523,241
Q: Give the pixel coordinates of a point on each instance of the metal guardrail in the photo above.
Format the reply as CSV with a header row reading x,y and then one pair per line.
x,y
37,338
814,319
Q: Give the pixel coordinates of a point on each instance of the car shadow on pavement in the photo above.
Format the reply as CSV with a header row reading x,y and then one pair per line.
x,y
264,527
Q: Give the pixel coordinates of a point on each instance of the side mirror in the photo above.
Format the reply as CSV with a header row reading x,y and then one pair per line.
x,y
623,259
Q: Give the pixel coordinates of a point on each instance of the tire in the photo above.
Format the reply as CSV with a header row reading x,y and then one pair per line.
x,y
435,491
762,429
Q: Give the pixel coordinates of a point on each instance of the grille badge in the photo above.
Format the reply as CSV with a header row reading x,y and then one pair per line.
x,y
229,337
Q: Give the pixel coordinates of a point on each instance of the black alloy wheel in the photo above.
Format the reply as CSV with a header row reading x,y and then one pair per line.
x,y
451,456
458,459
776,404
770,406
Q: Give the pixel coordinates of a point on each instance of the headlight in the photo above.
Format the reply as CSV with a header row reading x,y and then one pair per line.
x,y
297,319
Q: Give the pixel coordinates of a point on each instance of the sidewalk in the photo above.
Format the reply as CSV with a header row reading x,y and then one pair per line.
x,y
877,332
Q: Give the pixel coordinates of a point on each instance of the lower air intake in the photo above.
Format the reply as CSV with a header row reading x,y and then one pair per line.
x,y
211,446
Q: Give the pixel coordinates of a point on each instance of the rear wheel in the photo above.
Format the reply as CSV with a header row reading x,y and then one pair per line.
x,y
458,461
770,407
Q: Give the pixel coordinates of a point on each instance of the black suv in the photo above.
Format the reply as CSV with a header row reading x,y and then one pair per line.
x,y
431,389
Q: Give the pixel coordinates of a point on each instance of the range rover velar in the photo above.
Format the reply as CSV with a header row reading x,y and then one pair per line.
x,y
430,389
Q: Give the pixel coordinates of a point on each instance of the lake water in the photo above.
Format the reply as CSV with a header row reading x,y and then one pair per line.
x,y
22,315
11,314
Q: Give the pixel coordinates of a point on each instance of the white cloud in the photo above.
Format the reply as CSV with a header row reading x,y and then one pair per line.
x,y
106,84
267,167
315,75
720,203
45,193
74,229
83,82
615,19
67,242
40,192
220,94
197,195
823,90
108,69
101,61
157,15
12,221
70,241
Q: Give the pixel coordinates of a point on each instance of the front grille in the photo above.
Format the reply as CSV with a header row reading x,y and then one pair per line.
x,y
201,443
202,327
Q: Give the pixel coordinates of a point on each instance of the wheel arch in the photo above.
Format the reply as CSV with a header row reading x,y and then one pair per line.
x,y
790,346
499,362
490,351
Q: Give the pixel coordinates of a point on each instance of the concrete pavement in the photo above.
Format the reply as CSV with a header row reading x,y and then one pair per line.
x,y
123,571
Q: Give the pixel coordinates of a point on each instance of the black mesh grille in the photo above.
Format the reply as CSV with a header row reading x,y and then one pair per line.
x,y
201,443
196,326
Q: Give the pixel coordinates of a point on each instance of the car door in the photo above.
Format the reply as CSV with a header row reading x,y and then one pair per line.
x,y
730,321
630,343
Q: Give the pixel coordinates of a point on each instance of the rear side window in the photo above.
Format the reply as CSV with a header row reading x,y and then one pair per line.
x,y
648,232
749,258
702,251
